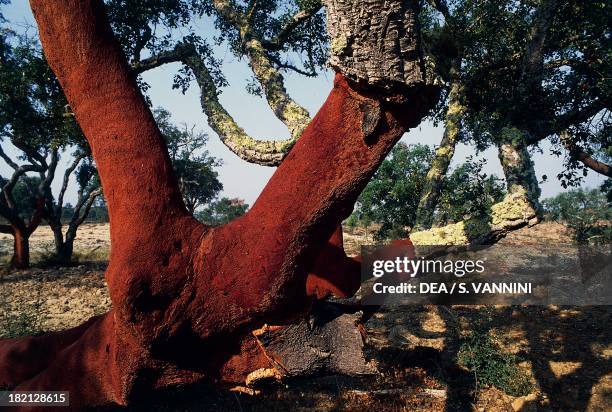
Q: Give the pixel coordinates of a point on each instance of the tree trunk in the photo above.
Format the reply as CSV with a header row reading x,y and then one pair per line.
x,y
186,297
62,255
520,207
443,157
21,249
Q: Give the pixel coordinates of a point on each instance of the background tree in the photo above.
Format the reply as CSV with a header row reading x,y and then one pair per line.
x,y
515,91
468,193
586,212
31,119
222,211
195,172
392,196
56,212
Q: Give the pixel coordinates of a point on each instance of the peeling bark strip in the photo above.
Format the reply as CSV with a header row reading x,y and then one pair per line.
x,y
328,342
186,297
376,42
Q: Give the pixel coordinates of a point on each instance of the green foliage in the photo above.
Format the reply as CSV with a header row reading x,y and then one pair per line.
x,y
481,353
32,104
194,166
392,196
24,195
588,213
606,188
97,214
148,28
222,211
468,192
564,86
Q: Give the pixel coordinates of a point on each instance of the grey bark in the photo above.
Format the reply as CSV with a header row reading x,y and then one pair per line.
x,y
376,42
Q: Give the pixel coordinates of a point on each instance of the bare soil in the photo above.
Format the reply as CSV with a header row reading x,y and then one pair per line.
x,y
566,351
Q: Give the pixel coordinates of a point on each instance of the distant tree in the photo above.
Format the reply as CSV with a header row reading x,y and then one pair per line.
x,y
24,193
516,73
194,166
222,211
587,212
392,196
31,119
58,216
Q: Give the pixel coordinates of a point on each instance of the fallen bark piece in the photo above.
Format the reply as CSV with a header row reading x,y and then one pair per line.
x,y
329,342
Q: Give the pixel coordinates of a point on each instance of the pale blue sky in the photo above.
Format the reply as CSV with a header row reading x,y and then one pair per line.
x,y
244,180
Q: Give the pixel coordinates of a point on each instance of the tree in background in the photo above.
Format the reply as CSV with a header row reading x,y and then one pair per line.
x,y
56,212
468,193
193,166
587,213
35,120
222,211
516,73
392,196
31,119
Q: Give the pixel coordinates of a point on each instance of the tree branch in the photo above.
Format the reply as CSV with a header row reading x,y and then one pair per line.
x,y
129,150
177,54
87,207
263,152
519,208
442,7
533,61
8,160
228,11
7,189
578,154
300,17
67,173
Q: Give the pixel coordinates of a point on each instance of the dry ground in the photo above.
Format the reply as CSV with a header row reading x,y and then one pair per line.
x,y
566,351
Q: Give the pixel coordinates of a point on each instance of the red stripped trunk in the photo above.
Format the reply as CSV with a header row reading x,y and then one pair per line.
x,y
21,249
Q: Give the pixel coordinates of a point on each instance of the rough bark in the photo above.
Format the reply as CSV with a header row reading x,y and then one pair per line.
x,y
186,297
443,157
520,207
376,42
